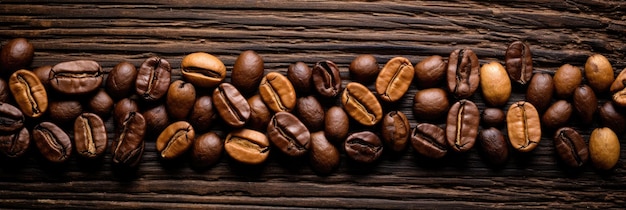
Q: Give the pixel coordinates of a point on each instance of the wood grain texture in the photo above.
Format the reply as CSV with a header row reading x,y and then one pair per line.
x,y
284,32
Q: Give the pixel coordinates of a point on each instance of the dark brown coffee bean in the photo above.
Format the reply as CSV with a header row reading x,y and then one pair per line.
x,y
395,130
310,112
175,140
566,79
206,150
324,157
361,104
463,74
539,92
619,83
492,117
28,92
156,119
260,115
122,108
300,76
557,115
180,99
612,117
523,126
247,146
326,79
101,104
336,124
90,135
63,112
364,69
288,134
277,92
15,144
585,103
153,79
430,104
121,80
519,62
128,145
493,145
11,118
604,148
247,71
599,73
43,73
394,79
203,113
462,125
16,54
4,91
53,143
203,70
231,105
494,84
429,140
364,147
430,71
571,147
76,77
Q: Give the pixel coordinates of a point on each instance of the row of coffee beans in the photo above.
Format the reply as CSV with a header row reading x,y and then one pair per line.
x,y
298,114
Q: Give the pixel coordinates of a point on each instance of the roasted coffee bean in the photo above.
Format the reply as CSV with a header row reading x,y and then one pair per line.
x,y
326,79
101,104
395,130
203,70
566,79
361,104
260,115
585,103
612,117
519,62
492,117
63,112
231,105
336,124
493,146
619,83
156,119
429,140
394,79
28,92
76,77
495,86
15,144
599,73
90,135
620,98
300,76
4,91
463,75
16,54
121,80
430,71
604,148
364,147
153,79
364,69
430,104
122,108
180,99
523,125
43,73
53,143
539,92
206,150
571,147
128,145
247,71
277,92
324,157
310,112
288,134
203,113
462,125
247,146
175,140
11,119
557,115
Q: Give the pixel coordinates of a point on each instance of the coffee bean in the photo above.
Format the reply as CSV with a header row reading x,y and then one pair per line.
x,y
16,54
203,113
324,157
180,99
206,150
604,148
203,70
247,71
463,76
175,140
394,79
76,77
523,125
619,83
121,80
63,112
619,98
539,92
493,146
364,69
14,145
100,103
247,146
430,104
326,79
231,105
462,125
300,76
122,108
430,71
571,147
599,73
364,147
277,92
310,112
43,73
336,124
4,91
612,117
492,117
519,62
395,130
260,115
288,134
585,103
11,118
495,86
156,119
28,92
153,79
557,115
566,79
90,135
128,145
429,140
361,104
53,143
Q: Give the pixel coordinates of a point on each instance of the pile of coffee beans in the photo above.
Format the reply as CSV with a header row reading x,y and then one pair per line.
x,y
307,113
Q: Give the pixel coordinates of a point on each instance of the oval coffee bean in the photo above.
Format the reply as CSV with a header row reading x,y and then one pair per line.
x,y
429,140
324,157
430,71
612,117
260,115
361,104
247,71
16,54
203,113
121,80
122,108
43,73
128,145
539,92
206,150
557,115
63,112
571,147
156,119
289,134
180,99
394,79
364,69
523,126
247,146
153,79
203,70
599,73
519,62
277,92
364,147
604,148
90,135
462,125
620,82
76,77
310,112
175,140
100,103
28,92
463,76
336,124
585,103
495,86
326,79
493,145
430,104
492,117
300,76
395,130
53,143
566,79
11,118
231,105
14,145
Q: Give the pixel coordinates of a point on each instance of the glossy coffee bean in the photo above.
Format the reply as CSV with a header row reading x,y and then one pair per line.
x,y
247,146
492,117
277,92
288,134
599,73
336,124
523,126
247,71
429,140
462,125
203,70
430,104
519,62
493,146
395,130
206,150
63,112
43,73
260,115
566,79
585,103
128,145
310,112
100,103
619,98
324,157
90,135
156,119
496,88
53,143
394,79
539,92
231,105
361,104
11,118
5,95
122,108
571,147
153,79
604,148
175,140
203,113
121,80
300,76
463,75
28,92
364,69
14,145
16,54
180,99
76,77
430,71
364,147
612,117
326,79
557,115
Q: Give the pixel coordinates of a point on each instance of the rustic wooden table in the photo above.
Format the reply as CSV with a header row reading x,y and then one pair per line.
x,y
284,32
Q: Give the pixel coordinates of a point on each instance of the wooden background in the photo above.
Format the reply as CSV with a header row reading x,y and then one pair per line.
x,y
284,32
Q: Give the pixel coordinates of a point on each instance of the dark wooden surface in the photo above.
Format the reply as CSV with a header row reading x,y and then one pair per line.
x,y
284,32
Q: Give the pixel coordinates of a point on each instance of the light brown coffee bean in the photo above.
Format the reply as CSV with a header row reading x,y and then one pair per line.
x,y
394,79
566,79
361,104
175,140
495,86
462,125
604,148
247,146
28,92
277,92
599,73
523,126
203,70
